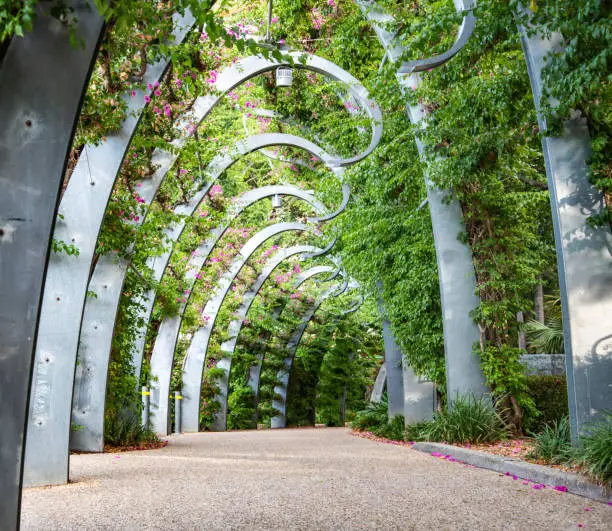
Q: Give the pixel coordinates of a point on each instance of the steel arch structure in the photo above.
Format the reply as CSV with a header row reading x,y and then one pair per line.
x,y
62,303
196,353
228,347
454,259
109,275
255,370
281,389
40,102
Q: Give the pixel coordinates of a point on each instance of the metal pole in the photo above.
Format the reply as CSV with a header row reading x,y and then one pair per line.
x,y
146,394
177,412
269,21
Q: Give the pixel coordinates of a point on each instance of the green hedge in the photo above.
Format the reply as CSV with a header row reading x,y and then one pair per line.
x,y
550,396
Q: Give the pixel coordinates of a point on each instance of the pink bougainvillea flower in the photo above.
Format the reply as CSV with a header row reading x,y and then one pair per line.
x,y
588,508
149,86
560,488
157,92
133,93
147,99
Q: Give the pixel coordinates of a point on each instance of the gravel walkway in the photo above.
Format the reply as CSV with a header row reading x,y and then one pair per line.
x,y
295,479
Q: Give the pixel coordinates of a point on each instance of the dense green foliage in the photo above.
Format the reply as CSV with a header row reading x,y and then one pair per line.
x,y
553,444
469,421
594,453
549,394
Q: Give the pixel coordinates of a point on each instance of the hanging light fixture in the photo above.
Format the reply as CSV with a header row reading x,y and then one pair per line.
x,y
284,76
276,201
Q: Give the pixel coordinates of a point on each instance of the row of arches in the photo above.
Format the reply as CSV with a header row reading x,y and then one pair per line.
x,y
66,318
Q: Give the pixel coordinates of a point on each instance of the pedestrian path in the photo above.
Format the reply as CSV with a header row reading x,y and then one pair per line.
x,y
295,479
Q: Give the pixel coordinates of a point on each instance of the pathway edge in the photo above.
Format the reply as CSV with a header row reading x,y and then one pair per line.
x,y
537,473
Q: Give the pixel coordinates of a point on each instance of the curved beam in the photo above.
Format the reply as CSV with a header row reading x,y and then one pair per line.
x,y
233,330
584,251
42,81
196,353
353,308
82,206
454,259
321,66
463,36
379,384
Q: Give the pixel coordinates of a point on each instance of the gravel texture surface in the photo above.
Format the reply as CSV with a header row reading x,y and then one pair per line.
x,y
295,479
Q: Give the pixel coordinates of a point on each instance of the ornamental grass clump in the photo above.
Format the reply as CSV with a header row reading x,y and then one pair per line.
x,y
125,429
470,420
374,416
595,451
553,444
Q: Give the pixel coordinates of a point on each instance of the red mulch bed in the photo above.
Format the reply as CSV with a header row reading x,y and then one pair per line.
x,y
153,445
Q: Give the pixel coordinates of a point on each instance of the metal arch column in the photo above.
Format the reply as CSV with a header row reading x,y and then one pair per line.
x,y
42,80
455,267
255,370
584,253
379,384
196,353
82,206
408,395
228,347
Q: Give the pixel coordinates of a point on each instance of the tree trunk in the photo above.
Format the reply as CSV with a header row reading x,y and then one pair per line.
x,y
539,303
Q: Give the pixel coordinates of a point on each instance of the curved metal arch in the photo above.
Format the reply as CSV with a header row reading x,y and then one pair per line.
x,y
214,170
42,81
463,36
355,307
82,206
233,330
193,364
455,266
280,404
254,66
255,369
584,252
62,302
97,329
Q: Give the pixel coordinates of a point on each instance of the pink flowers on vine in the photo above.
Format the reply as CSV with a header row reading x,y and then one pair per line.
x,y
216,190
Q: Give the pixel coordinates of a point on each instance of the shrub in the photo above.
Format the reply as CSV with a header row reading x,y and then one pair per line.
x,y
393,429
470,420
553,444
125,429
595,451
373,416
549,394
